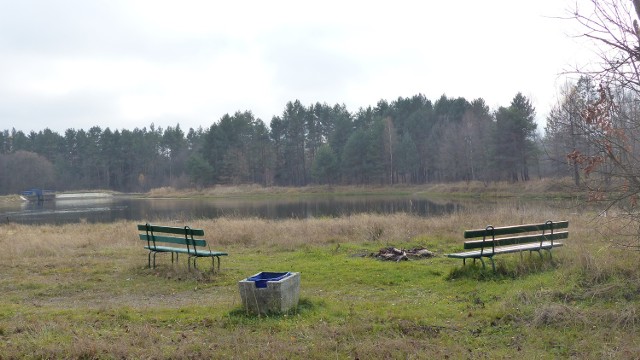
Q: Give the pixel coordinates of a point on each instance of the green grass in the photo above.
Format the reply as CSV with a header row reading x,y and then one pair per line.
x,y
93,297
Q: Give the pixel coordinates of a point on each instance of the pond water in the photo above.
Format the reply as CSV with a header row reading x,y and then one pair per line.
x,y
137,209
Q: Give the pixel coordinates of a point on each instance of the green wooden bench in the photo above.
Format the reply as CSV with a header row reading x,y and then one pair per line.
x,y
492,241
183,240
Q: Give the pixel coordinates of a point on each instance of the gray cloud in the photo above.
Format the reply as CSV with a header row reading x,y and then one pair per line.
x,y
50,28
127,63
74,110
304,64
71,28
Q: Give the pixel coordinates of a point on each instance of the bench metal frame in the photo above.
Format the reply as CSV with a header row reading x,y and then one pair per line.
x,y
545,238
194,248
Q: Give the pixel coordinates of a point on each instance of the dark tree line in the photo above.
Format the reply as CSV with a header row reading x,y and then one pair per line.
x,y
410,140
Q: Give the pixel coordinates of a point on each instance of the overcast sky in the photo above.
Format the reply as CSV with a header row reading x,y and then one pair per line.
x,y
126,64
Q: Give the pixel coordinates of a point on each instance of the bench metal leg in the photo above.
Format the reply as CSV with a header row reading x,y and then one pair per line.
x,y
195,266
493,264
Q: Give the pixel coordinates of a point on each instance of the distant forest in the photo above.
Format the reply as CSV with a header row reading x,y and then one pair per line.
x,y
407,141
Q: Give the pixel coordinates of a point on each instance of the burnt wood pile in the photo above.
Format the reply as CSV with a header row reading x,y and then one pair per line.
x,y
395,254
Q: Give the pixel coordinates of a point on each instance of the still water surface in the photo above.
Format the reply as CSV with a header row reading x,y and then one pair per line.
x,y
130,208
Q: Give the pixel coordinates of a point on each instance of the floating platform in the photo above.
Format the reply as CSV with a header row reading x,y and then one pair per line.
x,y
49,195
38,195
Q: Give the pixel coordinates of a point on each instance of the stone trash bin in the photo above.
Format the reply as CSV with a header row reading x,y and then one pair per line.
x,y
270,292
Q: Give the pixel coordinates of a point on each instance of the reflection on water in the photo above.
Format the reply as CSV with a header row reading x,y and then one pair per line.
x,y
127,208
105,210
63,211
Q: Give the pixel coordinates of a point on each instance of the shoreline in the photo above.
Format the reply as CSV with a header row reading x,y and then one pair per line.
x,y
534,189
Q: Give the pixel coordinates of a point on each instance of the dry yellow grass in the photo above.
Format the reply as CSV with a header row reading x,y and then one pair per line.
x,y
51,241
237,190
20,241
538,188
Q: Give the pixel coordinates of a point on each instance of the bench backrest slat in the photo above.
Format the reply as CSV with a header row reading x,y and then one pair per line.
x,y
171,230
516,229
514,240
173,240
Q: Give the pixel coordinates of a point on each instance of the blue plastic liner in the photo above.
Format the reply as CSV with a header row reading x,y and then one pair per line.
x,y
262,278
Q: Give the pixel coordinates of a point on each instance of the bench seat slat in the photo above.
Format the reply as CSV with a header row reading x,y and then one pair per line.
x,y
510,230
535,238
505,250
167,249
207,253
200,253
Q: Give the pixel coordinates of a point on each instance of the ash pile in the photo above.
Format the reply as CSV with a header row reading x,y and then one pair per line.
x,y
394,254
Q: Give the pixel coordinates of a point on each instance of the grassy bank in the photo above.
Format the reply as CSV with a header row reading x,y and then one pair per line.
x,y
541,188
82,291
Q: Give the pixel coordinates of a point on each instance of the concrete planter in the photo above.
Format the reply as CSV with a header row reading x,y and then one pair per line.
x,y
270,293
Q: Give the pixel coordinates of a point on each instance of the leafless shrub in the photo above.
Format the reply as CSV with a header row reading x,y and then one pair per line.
x,y
610,123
